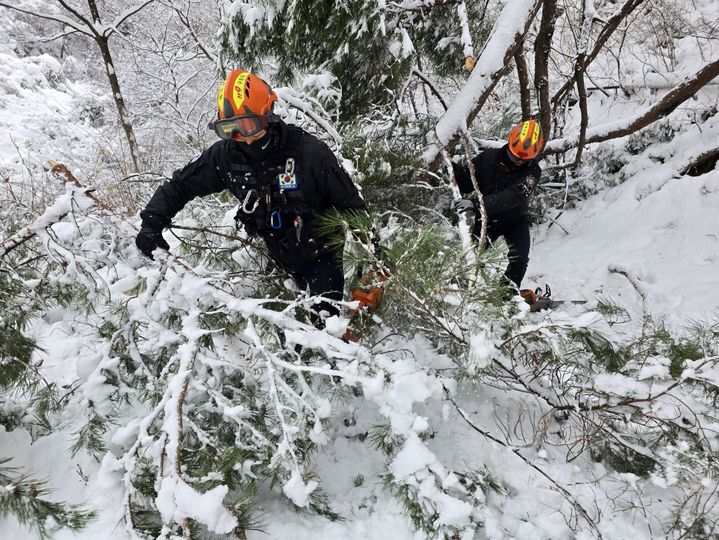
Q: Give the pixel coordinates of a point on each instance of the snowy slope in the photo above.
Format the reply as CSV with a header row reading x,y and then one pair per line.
x,y
659,226
44,115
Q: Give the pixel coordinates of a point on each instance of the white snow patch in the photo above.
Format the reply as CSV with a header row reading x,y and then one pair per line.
x,y
297,490
413,457
176,500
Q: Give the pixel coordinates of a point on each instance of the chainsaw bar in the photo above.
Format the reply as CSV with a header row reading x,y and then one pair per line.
x,y
549,303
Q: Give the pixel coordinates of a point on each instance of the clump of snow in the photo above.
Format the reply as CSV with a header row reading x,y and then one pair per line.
x,y
656,367
616,383
297,490
413,457
336,326
176,500
481,349
401,47
450,510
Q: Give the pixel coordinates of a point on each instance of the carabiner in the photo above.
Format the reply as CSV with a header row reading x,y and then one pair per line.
x,y
246,202
276,219
298,223
290,166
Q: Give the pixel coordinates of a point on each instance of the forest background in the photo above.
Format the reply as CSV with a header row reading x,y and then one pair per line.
x,y
169,399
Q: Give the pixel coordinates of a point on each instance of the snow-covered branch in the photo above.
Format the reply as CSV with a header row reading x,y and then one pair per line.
x,y
493,62
660,109
73,198
57,18
293,100
126,15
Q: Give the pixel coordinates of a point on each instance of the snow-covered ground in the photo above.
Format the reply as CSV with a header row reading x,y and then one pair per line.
x,y
658,227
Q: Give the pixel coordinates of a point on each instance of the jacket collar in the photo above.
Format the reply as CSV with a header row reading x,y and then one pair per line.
x,y
505,163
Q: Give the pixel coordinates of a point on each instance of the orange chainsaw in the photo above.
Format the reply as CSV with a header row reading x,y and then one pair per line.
x,y
369,295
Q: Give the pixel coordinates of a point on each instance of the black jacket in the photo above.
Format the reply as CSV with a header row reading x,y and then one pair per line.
x,y
505,187
281,193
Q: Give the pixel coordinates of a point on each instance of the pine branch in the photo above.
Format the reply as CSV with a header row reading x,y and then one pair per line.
x,y
89,437
25,498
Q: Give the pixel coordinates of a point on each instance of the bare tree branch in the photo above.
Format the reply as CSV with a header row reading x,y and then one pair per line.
x,y
79,16
56,18
185,20
431,86
56,36
662,108
126,15
605,33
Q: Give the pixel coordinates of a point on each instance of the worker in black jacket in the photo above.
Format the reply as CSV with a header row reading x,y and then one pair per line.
x,y
506,176
283,177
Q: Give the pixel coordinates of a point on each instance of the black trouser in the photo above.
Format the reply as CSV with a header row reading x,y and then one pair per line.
x,y
517,238
323,277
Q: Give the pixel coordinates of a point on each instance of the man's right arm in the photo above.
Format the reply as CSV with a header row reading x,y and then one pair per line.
x,y
202,176
465,185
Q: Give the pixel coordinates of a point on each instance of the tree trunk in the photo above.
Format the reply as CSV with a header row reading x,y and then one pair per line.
x,y
579,76
542,48
584,122
102,43
525,96
703,163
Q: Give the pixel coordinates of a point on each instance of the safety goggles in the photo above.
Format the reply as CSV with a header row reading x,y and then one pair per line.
x,y
244,125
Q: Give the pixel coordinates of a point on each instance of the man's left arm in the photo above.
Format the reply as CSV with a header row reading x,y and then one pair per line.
x,y
334,182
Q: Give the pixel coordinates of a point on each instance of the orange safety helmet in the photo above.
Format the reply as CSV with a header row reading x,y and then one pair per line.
x,y
526,140
243,93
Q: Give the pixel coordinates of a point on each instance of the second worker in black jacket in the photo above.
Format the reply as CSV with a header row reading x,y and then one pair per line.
x,y
506,176
282,176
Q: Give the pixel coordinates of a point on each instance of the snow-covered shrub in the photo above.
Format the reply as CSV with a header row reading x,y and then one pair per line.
x,y
658,132
197,389
389,173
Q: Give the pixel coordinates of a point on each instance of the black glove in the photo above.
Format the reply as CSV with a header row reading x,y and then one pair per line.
x,y
149,239
462,206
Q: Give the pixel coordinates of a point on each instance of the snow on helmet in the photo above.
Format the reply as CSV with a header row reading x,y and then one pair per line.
x,y
525,140
242,94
